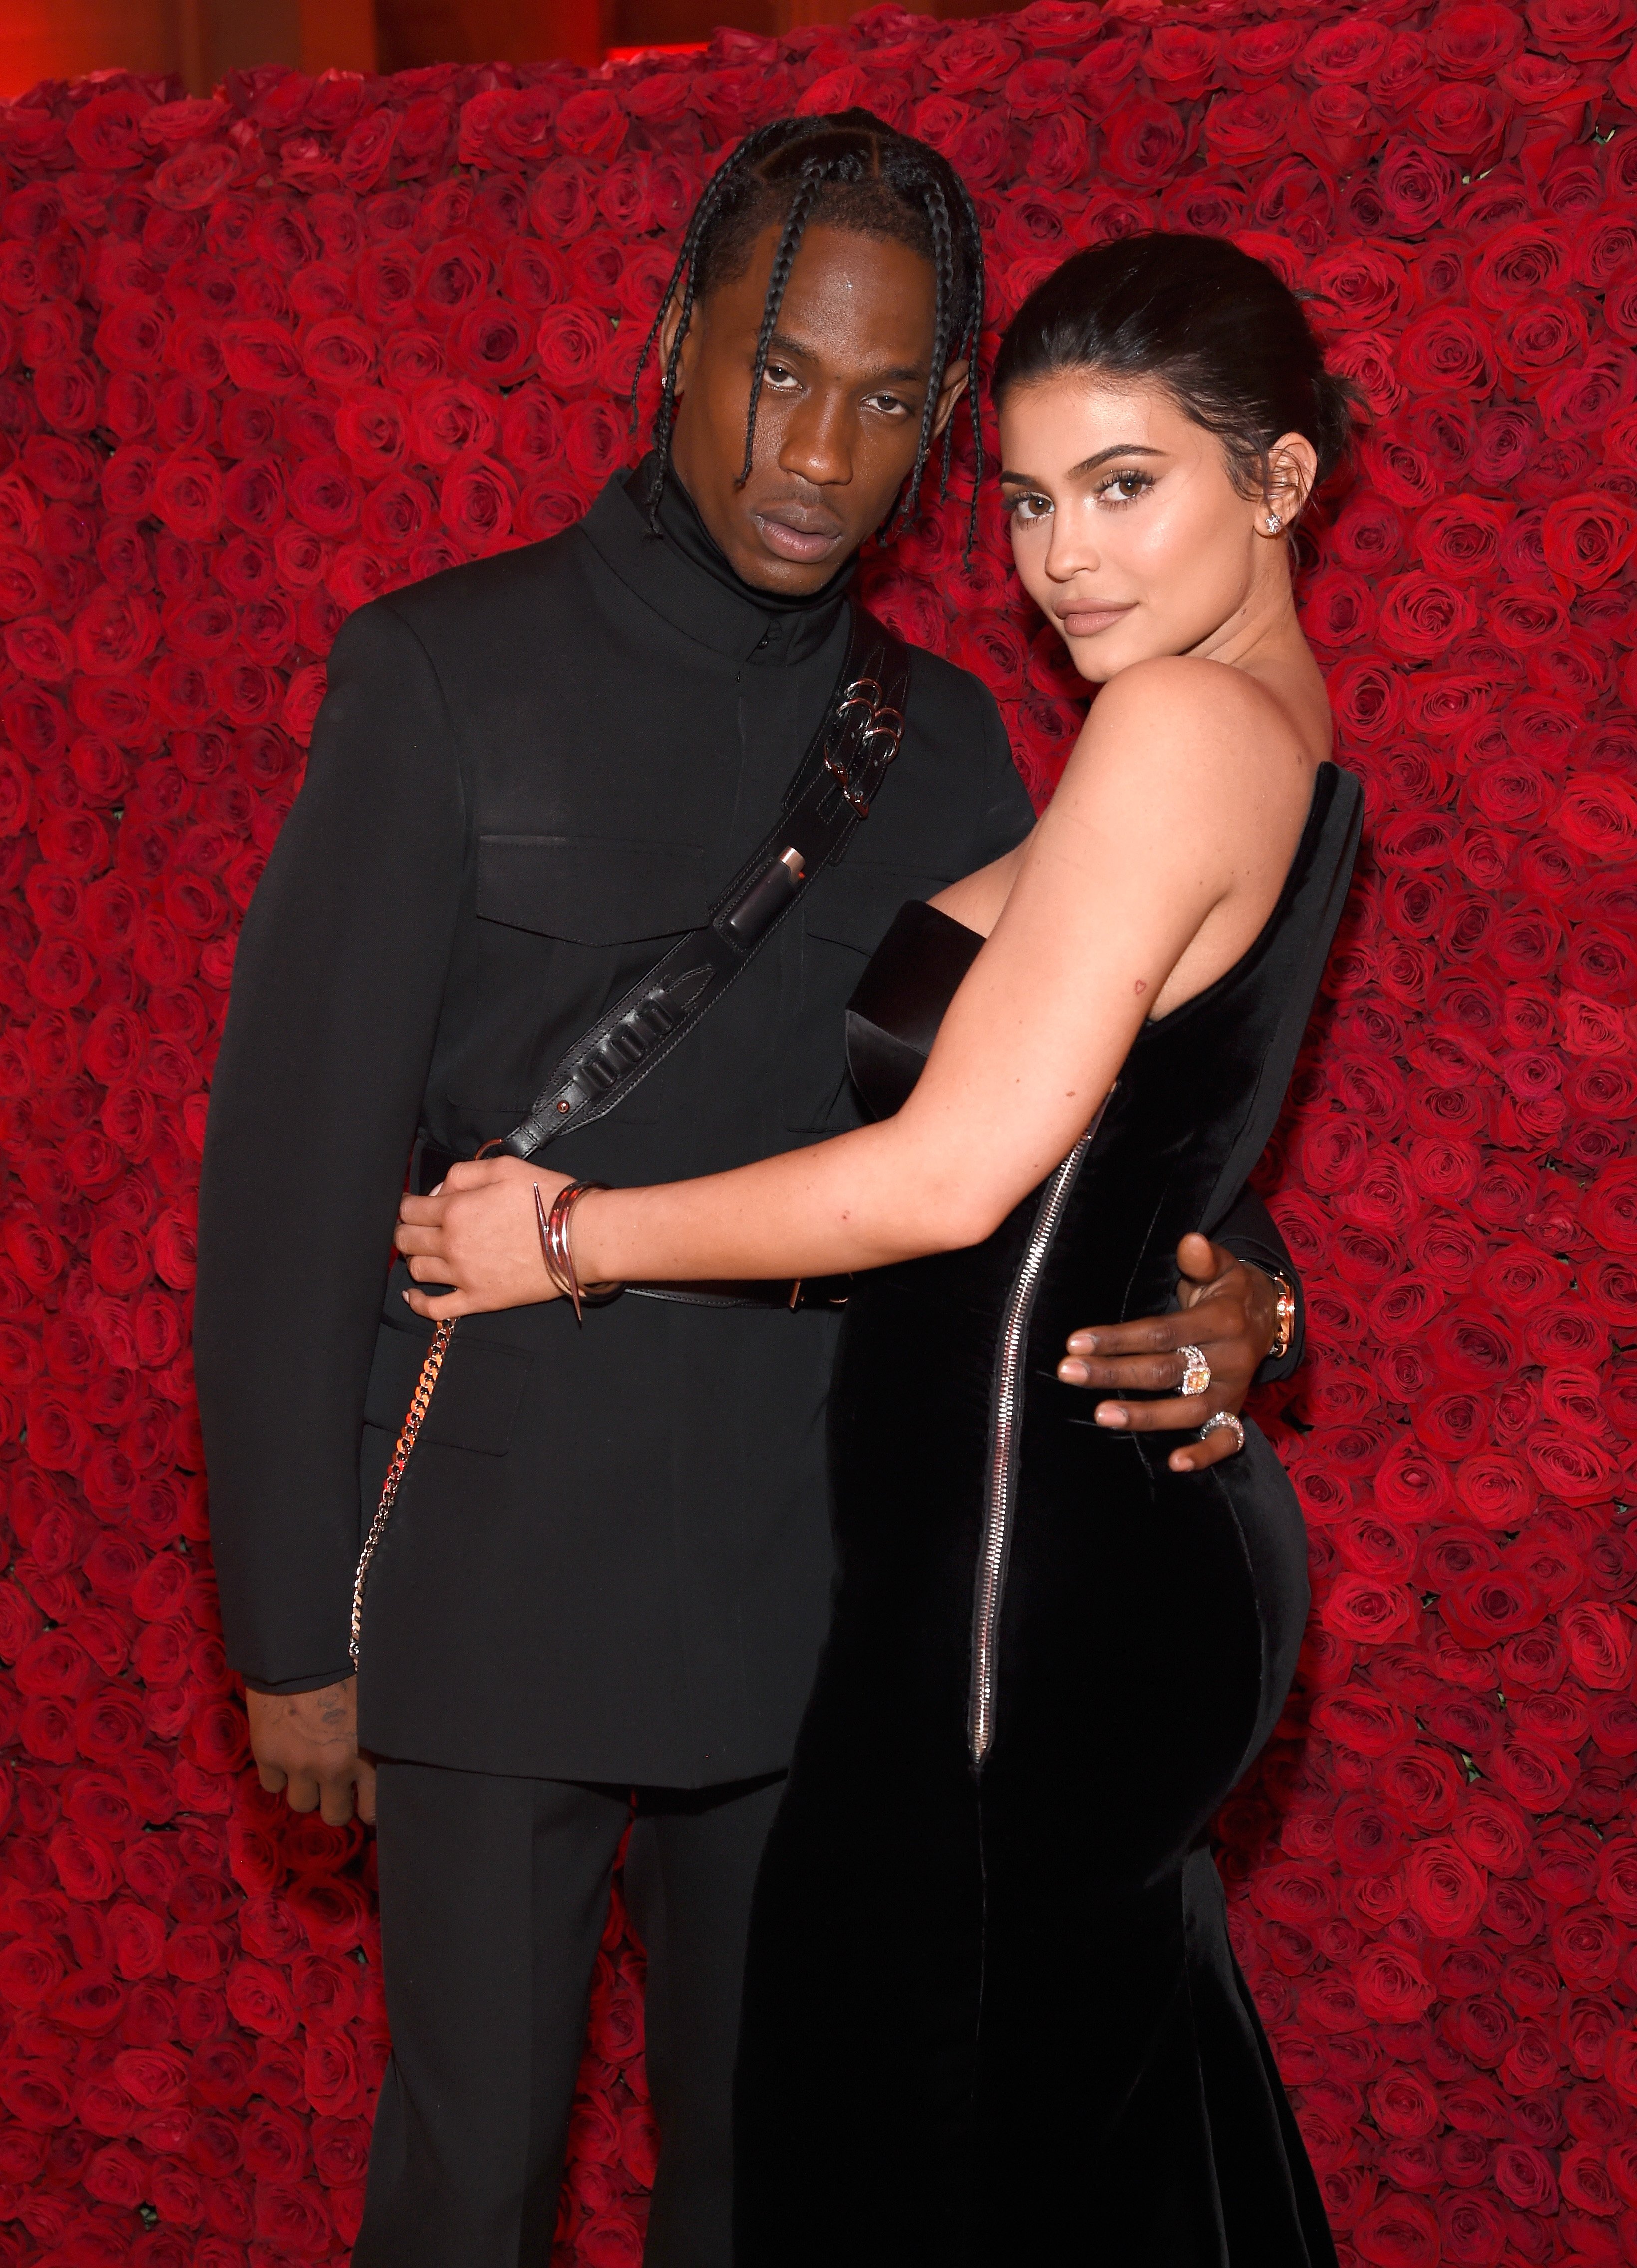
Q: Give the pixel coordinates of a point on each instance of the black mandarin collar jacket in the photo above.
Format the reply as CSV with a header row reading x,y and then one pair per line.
x,y
609,1558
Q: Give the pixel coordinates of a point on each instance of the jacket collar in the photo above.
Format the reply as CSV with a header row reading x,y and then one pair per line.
x,y
686,580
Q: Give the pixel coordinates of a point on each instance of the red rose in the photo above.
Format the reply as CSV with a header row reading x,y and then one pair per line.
x,y
396,512
260,356
1580,29
1400,2231
1467,122
1391,1985
1416,184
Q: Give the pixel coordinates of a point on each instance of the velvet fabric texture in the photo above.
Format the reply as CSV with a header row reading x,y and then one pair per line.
x,y
897,2022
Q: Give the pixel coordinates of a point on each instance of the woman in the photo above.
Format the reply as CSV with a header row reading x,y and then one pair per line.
x,y
990,2008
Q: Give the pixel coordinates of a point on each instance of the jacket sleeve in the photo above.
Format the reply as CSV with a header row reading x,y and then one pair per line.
x,y
334,1003
1250,1232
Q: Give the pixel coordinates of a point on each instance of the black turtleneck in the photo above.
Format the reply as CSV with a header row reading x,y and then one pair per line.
x,y
683,523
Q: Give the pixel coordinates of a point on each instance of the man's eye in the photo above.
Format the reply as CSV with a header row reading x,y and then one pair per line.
x,y
777,375
890,405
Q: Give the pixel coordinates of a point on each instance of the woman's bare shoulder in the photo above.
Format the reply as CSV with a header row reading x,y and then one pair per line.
x,y
1182,731
1184,691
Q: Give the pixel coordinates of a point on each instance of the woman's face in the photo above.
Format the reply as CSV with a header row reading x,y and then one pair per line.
x,y
1127,532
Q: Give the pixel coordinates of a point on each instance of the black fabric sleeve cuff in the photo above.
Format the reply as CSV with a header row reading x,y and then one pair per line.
x,y
300,1684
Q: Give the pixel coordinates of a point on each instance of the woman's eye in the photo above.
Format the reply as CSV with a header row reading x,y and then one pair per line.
x,y
1125,488
1029,507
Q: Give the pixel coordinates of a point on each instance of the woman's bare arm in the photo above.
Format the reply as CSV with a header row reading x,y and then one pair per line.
x,y
1159,860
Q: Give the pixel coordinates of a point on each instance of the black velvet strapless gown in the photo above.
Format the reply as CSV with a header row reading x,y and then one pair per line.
x,y
992,2015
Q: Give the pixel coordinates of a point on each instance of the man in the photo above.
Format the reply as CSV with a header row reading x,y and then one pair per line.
x,y
605,1580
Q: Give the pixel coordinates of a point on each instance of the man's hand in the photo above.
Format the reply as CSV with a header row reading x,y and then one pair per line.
x,y
307,1744
1226,1311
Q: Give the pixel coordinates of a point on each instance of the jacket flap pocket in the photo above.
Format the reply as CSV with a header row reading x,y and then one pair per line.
x,y
856,905
590,892
473,1404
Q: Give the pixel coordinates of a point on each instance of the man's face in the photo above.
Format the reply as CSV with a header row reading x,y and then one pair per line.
x,y
840,412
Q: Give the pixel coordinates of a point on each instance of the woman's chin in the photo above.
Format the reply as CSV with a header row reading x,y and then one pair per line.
x,y
1103,655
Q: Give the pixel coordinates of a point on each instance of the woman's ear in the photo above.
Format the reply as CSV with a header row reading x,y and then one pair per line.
x,y
1292,468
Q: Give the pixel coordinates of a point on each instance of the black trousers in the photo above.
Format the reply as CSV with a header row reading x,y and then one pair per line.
x,y
494,1893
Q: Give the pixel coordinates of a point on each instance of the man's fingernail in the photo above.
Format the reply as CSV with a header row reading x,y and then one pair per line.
x,y
1111,1413
1072,1373
1083,1342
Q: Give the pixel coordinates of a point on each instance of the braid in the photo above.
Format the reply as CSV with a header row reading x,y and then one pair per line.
x,y
970,341
719,191
665,418
814,172
881,182
943,269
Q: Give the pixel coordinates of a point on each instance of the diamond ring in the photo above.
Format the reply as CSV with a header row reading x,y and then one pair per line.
x,y
1196,1370
1225,1418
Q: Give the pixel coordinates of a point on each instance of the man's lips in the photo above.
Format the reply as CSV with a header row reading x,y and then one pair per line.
x,y
798,534
1086,621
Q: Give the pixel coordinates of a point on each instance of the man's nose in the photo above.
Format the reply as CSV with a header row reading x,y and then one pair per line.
x,y
816,444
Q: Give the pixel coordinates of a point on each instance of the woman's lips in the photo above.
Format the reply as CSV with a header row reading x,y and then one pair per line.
x,y
1086,622
791,540
1089,620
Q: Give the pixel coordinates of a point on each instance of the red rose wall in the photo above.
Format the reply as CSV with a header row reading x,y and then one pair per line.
x,y
268,356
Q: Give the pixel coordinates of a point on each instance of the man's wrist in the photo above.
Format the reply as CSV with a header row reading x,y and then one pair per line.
x,y
1284,1293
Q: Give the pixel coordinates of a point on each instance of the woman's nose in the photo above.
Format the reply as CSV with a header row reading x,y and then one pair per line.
x,y
1073,548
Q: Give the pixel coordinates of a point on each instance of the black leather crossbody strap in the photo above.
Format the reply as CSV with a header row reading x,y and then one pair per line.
x,y
838,779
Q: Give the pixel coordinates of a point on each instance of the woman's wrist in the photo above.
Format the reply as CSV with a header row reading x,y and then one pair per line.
x,y
589,1228
562,1251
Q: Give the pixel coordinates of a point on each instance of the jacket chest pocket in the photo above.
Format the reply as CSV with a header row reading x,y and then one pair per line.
x,y
844,918
566,924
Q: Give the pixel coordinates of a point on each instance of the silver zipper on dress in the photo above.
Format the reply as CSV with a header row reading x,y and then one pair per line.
x,y
1002,1474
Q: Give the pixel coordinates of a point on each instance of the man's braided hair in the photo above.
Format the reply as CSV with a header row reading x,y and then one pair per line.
x,y
847,171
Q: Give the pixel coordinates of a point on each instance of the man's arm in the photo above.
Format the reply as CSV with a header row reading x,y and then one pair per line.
x,y
336,989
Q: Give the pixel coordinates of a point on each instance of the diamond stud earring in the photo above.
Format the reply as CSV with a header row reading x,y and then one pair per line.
x,y
1273,523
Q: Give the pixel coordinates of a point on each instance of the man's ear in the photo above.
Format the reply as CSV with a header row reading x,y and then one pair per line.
x,y
956,378
668,335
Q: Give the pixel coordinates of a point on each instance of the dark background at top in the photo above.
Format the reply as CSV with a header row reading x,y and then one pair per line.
x,y
202,39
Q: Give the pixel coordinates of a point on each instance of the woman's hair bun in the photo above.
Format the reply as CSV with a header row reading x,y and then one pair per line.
x,y
1224,335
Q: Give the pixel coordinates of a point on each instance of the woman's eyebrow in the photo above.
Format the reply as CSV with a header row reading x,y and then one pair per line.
x,y
1087,464
1119,449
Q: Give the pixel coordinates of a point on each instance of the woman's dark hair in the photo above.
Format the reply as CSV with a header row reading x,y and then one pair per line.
x,y
850,171
1218,329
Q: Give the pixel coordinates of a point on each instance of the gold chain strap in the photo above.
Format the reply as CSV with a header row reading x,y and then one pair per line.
x,y
420,1401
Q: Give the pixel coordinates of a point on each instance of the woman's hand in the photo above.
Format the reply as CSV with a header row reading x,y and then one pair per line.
x,y
1226,1309
478,1234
